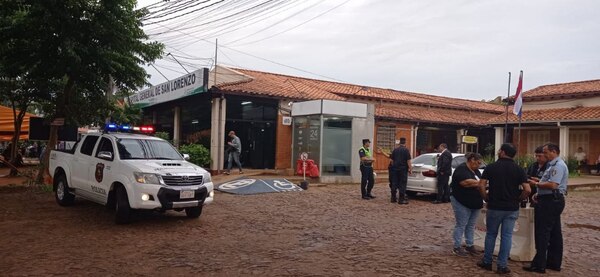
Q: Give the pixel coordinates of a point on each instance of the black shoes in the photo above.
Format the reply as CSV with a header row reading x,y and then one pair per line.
x,y
393,200
503,270
366,198
403,201
484,265
535,269
471,250
371,196
437,202
553,268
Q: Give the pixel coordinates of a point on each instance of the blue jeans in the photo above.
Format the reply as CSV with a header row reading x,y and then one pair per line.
x,y
235,156
495,219
465,222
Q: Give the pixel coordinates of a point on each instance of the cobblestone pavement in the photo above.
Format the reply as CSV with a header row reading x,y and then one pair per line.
x,y
324,231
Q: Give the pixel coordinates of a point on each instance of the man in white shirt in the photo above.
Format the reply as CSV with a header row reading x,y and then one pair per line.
x,y
580,156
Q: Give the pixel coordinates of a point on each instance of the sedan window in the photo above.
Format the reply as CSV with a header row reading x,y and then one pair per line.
x,y
426,160
458,161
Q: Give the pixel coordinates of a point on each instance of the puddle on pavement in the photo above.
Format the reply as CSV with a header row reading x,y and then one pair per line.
x,y
585,226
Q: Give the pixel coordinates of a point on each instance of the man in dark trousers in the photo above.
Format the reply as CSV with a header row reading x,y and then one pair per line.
x,y
401,167
504,178
536,171
444,170
367,179
390,165
550,205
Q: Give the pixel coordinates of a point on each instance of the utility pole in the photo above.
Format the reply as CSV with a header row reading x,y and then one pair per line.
x,y
178,62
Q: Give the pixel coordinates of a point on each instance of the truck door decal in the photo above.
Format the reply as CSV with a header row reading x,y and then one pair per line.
x,y
99,172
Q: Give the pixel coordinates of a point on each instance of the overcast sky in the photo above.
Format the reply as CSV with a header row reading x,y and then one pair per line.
x,y
453,48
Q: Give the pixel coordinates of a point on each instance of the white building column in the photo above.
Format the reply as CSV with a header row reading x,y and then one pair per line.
x,y
214,134
217,133
461,147
223,132
499,140
177,126
563,141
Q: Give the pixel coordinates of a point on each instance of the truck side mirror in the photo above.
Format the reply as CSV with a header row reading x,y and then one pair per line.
x,y
186,157
105,155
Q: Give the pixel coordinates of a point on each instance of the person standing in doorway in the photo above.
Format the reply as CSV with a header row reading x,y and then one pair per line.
x,y
367,180
550,205
401,167
234,152
504,178
444,170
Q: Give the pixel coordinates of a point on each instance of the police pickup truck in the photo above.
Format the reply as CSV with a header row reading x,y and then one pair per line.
x,y
126,172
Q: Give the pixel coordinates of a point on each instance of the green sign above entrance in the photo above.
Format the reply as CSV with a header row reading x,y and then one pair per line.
x,y
190,84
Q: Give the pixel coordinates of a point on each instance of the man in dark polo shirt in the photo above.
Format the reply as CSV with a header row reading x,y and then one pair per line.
x,y
504,178
401,167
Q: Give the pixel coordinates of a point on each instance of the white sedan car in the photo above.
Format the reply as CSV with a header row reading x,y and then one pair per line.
x,y
424,172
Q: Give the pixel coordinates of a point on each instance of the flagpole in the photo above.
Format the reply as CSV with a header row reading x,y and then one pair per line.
x,y
507,101
521,114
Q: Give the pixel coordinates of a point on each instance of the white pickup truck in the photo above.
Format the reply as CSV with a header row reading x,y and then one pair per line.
x,y
128,171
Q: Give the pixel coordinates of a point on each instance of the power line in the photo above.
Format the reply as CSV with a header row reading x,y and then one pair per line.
x,y
227,26
222,18
184,14
274,24
311,19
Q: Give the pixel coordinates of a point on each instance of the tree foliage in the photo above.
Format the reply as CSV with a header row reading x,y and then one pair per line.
x,y
72,51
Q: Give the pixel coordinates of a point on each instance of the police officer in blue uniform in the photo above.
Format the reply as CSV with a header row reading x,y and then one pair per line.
x,y
550,200
367,180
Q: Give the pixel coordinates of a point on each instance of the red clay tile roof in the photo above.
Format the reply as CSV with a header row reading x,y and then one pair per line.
x,y
272,84
276,85
564,90
552,115
434,115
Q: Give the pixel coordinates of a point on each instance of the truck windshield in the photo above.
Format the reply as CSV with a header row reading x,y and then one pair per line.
x,y
142,149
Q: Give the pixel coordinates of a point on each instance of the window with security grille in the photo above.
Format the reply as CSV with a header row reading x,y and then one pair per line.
x,y
386,137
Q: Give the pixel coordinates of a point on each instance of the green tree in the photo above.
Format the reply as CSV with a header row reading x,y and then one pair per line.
x,y
84,46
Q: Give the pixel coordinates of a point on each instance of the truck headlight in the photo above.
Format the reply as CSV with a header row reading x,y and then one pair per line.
x,y
148,178
207,178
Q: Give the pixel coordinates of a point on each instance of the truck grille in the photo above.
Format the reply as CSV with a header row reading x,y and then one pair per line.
x,y
191,180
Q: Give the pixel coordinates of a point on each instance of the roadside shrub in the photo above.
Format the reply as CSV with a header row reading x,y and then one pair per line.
x,y
199,155
488,159
162,135
489,150
524,161
573,166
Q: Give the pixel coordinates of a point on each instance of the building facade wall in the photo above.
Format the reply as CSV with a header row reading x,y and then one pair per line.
x,y
561,103
283,159
400,131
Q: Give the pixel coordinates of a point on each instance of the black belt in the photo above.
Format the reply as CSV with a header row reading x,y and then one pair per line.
x,y
551,196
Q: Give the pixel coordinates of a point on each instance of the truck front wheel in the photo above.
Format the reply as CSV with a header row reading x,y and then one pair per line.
x,y
123,210
194,212
61,192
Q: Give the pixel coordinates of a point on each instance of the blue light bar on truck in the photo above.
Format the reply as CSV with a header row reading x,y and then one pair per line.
x,y
112,127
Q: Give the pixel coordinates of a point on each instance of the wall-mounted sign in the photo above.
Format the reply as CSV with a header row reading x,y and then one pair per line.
x,y
287,121
469,139
189,84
